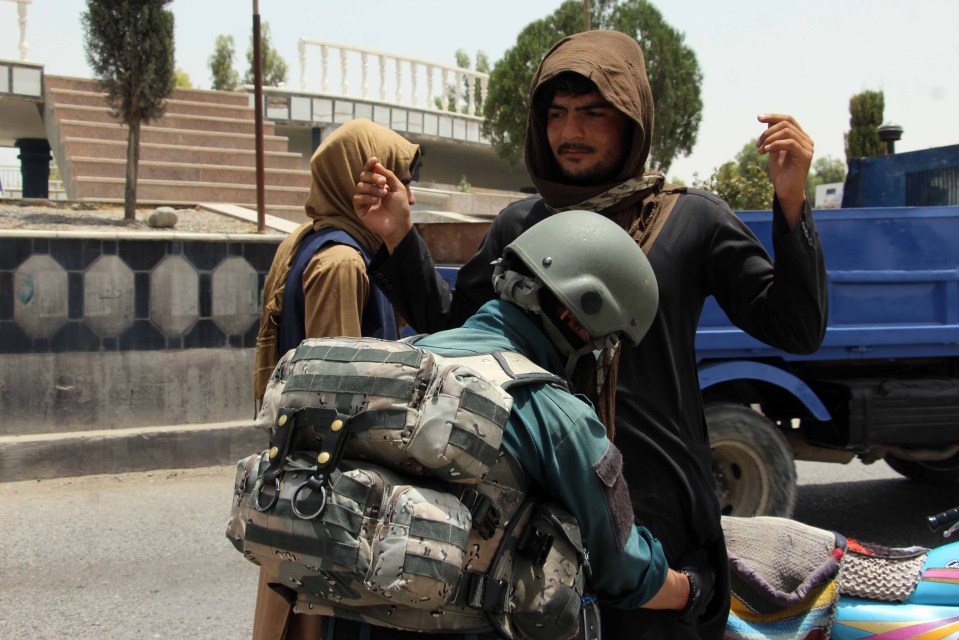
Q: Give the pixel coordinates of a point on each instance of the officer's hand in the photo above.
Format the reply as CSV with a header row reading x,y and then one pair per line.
x,y
382,203
702,581
790,152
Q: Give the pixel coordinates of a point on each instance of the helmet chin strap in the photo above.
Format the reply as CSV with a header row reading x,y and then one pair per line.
x,y
564,347
523,291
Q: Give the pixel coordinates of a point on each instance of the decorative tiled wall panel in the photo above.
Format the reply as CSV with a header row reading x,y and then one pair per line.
x,y
61,293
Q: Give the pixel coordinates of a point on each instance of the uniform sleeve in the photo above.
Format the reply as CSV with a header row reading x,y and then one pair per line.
x,y
784,303
335,290
564,449
409,278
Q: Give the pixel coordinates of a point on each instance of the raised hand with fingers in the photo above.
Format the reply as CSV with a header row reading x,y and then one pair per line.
x,y
790,152
382,201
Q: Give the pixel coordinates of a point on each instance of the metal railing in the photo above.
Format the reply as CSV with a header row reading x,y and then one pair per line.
x,y
11,185
400,80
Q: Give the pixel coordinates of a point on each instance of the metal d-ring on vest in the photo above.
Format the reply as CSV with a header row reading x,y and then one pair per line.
x,y
258,490
327,460
315,483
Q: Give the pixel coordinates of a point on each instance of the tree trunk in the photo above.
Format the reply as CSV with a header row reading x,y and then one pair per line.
x,y
133,164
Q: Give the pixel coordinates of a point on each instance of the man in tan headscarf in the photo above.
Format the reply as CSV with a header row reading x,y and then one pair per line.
x,y
317,286
588,139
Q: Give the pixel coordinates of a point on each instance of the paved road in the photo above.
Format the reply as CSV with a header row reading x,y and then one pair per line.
x,y
144,555
128,557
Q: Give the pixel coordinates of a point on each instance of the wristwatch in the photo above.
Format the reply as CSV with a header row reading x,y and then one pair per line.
x,y
695,593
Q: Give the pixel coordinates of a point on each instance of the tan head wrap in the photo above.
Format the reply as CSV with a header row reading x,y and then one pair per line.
x,y
336,166
615,64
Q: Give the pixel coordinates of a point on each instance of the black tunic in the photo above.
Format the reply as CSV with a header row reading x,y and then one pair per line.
x,y
704,249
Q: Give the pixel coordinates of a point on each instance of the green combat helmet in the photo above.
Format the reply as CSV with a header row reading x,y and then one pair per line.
x,y
593,268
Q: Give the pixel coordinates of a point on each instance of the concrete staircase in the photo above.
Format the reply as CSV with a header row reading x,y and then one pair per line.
x,y
201,150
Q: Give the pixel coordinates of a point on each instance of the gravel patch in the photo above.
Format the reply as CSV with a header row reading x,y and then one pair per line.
x,y
82,216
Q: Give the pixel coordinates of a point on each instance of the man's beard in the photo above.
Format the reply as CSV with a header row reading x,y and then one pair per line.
x,y
599,173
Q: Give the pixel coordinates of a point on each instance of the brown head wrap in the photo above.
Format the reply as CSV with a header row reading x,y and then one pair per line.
x,y
615,64
336,166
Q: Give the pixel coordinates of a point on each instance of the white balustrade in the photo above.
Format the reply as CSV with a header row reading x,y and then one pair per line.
x,y
22,20
427,83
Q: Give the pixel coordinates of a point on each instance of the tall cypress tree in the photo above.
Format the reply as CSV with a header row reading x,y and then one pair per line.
x,y
221,64
865,117
129,45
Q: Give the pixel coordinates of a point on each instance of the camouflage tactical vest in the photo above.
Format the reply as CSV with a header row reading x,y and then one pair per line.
x,y
386,497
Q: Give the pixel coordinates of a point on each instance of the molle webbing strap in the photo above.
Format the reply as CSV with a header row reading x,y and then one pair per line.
x,y
331,551
431,568
350,488
439,531
484,407
348,384
319,419
347,354
474,445
366,420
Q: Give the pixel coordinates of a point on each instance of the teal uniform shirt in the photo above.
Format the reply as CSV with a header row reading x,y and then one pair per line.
x,y
562,447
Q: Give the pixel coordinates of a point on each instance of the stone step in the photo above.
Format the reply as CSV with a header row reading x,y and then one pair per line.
x,y
117,149
182,122
58,455
192,95
188,172
74,97
235,98
95,188
165,135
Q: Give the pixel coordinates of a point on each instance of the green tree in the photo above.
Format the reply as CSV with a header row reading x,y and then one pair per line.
x,y
749,155
274,66
129,46
182,79
742,191
225,77
674,75
825,170
865,117
507,101
463,62
742,182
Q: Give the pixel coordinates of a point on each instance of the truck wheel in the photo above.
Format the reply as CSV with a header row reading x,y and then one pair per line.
x,y
752,463
928,471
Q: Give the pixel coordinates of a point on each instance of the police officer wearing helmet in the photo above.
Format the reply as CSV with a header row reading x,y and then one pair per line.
x,y
568,286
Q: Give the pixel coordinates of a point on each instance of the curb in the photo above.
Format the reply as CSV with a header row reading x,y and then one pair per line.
x,y
111,451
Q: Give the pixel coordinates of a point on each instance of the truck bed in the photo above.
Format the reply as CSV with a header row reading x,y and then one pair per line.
x,y
893,287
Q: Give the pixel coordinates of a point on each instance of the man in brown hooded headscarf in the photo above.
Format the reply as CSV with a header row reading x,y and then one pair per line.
x,y
317,286
588,140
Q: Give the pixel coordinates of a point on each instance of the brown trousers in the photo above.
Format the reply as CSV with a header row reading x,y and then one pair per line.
x,y
274,619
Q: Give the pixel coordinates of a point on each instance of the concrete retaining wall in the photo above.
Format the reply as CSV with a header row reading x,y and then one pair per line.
x,y
113,331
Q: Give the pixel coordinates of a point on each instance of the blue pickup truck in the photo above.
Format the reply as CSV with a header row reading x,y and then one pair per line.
x,y
884,384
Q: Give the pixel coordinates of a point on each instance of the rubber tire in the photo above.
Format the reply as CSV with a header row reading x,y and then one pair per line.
x,y
752,463
928,471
